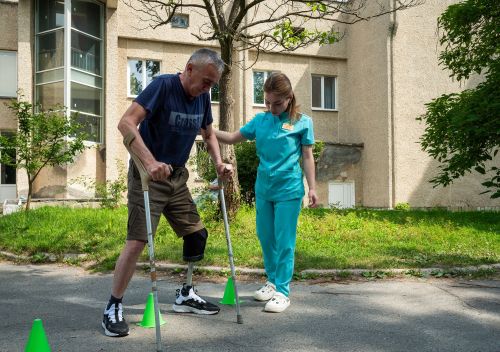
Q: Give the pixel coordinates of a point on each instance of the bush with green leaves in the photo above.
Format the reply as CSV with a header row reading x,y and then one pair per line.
x,y
248,161
402,206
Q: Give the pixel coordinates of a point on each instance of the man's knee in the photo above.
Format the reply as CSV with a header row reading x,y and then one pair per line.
x,y
194,245
134,247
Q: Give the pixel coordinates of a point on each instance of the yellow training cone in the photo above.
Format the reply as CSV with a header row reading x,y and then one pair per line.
x,y
37,341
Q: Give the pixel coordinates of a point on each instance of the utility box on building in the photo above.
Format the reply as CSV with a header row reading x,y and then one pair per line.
x,y
341,195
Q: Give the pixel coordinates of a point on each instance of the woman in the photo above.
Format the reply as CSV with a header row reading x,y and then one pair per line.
x,y
282,136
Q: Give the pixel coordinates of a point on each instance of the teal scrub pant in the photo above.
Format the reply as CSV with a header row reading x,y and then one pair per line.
x,y
277,232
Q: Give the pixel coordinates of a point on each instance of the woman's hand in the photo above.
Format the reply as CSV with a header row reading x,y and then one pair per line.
x,y
313,198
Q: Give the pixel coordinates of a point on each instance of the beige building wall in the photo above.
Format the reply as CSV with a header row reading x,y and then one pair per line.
x,y
418,78
25,66
367,106
328,125
112,148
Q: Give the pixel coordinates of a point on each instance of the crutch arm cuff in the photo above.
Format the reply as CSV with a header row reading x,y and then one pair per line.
x,y
145,178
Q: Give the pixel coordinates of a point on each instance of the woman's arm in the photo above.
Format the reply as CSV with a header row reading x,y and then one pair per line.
x,y
229,137
309,169
223,170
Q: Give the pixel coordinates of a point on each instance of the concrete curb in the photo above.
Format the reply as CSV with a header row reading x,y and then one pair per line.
x,y
328,272
401,271
319,272
219,269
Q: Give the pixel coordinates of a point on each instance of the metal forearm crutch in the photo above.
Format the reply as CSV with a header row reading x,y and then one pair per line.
x,y
145,178
239,318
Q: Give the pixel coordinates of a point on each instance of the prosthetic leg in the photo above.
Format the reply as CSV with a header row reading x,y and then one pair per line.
x,y
187,300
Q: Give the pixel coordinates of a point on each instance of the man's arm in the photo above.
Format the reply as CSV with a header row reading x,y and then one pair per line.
x,y
223,170
134,115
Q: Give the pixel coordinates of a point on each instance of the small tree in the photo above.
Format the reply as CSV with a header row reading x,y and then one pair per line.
x,y
463,129
41,140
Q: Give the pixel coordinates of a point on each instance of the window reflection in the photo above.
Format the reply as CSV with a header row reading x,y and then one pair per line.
x,y
86,16
316,91
50,95
8,173
90,125
50,14
85,53
85,99
258,87
215,93
50,50
141,73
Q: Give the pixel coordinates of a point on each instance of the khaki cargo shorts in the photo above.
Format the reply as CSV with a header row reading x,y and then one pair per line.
x,y
170,198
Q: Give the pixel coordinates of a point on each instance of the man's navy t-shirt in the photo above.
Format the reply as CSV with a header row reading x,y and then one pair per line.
x,y
172,120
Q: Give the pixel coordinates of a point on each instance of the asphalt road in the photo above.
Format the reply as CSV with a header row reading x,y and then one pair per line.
x,y
386,315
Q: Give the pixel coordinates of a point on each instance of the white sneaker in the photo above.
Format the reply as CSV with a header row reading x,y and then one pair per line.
x,y
265,293
278,303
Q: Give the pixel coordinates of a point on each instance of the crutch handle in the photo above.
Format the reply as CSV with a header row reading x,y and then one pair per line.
x,y
220,183
145,178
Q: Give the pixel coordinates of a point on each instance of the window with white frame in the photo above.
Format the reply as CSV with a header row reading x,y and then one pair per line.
x,y
259,78
324,92
8,72
140,73
215,93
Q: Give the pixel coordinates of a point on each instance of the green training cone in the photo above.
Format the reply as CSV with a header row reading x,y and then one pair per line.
x,y
148,319
37,341
228,297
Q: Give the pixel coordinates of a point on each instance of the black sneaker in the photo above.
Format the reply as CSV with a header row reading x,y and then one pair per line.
x,y
113,322
187,301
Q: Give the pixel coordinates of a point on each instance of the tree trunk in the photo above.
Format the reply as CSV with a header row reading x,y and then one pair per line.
x,y
30,190
226,123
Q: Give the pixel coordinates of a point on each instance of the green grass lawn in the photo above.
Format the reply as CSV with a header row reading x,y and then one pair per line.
x,y
327,239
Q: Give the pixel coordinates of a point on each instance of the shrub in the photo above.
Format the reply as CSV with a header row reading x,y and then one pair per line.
x,y
110,193
248,161
402,206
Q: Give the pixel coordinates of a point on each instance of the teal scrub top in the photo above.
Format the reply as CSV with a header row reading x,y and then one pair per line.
x,y
279,148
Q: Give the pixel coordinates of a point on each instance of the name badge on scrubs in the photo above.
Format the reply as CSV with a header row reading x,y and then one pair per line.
x,y
287,126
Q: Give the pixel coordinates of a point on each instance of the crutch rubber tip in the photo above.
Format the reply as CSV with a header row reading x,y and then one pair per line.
x,y
239,319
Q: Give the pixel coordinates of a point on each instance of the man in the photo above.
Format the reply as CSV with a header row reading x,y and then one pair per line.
x,y
169,112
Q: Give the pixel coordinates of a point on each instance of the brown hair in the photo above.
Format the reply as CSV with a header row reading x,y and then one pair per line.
x,y
278,83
